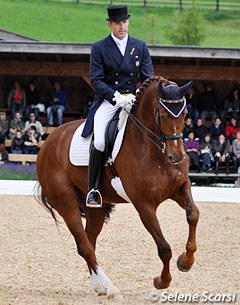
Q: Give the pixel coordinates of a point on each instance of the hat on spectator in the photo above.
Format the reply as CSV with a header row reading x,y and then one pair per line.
x,y
118,13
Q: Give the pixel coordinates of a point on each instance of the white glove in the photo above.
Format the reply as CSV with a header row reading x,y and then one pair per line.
x,y
124,101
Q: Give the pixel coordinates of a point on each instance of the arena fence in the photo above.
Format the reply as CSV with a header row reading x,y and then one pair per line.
x,y
233,5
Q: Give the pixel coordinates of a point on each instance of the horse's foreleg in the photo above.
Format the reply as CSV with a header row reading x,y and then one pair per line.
x,y
150,221
186,260
102,285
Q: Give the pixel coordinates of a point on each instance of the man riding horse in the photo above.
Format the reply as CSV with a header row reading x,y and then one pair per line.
x,y
116,62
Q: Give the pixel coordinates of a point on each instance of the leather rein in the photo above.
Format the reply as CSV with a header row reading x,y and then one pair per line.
x,y
160,137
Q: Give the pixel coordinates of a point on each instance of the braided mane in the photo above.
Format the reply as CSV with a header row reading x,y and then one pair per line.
x,y
147,83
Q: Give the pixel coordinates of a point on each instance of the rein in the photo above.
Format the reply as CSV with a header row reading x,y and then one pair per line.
x,y
161,137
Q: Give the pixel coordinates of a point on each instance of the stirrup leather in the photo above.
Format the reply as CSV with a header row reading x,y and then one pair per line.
x,y
99,205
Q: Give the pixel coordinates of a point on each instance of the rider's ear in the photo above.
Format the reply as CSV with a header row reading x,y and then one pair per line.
x,y
185,87
160,88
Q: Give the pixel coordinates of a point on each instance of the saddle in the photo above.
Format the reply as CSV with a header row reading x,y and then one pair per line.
x,y
110,136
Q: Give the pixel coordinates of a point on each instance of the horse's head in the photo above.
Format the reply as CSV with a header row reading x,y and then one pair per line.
x,y
170,112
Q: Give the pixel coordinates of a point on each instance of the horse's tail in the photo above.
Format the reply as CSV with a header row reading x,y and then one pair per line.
x,y
42,199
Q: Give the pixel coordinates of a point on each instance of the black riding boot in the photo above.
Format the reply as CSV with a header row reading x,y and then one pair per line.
x,y
94,175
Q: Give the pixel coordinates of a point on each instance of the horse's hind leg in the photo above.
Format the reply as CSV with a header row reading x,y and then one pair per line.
x,y
185,200
100,282
150,221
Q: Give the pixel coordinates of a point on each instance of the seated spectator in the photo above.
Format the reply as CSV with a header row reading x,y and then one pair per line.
x,y
192,149
221,152
31,139
199,130
32,100
231,129
192,104
217,128
3,154
231,106
57,104
16,124
188,126
33,122
209,103
206,150
236,152
4,124
87,106
17,143
16,99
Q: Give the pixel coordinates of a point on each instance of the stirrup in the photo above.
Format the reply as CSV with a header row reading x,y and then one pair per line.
x,y
99,205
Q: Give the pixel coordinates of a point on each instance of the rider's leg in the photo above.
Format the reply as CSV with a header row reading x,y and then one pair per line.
x,y
102,116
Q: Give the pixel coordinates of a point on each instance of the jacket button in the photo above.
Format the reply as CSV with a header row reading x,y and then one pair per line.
x,y
116,82
131,74
116,74
127,90
129,82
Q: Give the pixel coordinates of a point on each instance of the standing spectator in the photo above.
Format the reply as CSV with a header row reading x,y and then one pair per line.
x,y
4,124
17,143
58,101
199,130
32,99
16,124
217,128
188,126
192,149
16,99
31,139
33,122
231,105
231,129
206,150
221,152
209,103
3,154
192,104
236,152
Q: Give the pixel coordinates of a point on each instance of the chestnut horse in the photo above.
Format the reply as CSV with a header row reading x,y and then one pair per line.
x,y
157,169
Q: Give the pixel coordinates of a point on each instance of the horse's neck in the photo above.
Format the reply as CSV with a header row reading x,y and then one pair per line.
x,y
146,106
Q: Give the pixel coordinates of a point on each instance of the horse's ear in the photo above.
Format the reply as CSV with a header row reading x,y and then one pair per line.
x,y
160,88
185,87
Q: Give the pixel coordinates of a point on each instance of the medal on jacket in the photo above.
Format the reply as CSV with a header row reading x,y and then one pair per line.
x,y
137,61
131,53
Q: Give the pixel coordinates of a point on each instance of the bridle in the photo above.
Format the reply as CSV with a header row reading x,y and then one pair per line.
x,y
160,137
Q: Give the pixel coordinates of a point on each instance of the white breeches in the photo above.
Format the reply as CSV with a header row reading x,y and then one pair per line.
x,y
103,115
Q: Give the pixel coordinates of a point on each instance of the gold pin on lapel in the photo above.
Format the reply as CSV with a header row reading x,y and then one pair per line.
x,y
131,53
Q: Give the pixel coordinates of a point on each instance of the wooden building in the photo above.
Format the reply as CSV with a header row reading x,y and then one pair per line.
x,y
43,62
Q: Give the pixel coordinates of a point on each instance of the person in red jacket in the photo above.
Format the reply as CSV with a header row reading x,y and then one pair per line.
x,y
232,129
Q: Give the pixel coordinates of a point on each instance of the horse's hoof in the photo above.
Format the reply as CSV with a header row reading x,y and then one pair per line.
x,y
159,284
181,266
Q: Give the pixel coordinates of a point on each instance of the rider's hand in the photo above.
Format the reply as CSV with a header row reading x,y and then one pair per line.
x,y
124,100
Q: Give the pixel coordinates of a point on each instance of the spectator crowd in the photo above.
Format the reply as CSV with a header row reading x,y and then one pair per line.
x,y
211,133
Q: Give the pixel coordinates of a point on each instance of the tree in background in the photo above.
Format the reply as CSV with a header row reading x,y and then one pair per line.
x,y
187,28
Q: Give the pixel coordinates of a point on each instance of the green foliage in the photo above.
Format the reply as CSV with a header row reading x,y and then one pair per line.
x,y
72,22
187,28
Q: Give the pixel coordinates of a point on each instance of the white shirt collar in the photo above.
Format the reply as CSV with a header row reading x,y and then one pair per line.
x,y
121,43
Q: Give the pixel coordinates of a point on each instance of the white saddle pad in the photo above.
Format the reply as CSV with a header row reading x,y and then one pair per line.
x,y
79,148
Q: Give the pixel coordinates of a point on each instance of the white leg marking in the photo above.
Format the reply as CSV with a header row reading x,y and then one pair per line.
x,y
97,286
107,284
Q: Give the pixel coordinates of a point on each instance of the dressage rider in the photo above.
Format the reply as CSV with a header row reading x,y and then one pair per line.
x,y
116,64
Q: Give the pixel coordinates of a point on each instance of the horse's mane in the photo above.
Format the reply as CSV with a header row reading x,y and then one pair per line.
x,y
147,83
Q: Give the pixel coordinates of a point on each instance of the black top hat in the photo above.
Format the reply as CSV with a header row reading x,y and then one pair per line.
x,y
118,13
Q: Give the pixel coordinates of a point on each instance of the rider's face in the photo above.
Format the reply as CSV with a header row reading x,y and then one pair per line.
x,y
119,29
